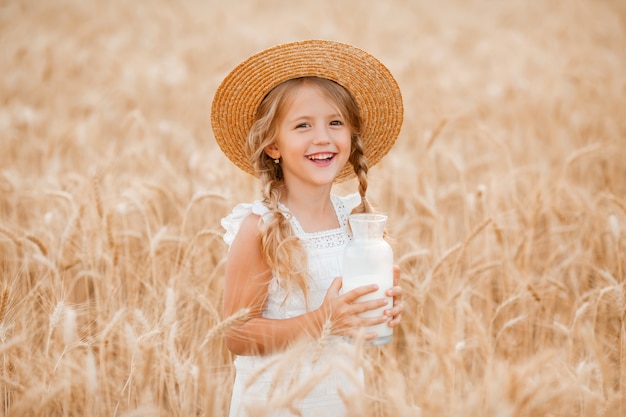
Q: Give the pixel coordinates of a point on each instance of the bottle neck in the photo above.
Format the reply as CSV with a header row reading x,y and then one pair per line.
x,y
368,226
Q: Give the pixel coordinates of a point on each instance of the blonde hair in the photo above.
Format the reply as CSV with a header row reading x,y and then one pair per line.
x,y
281,249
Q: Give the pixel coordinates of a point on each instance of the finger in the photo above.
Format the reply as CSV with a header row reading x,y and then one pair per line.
x,y
365,306
352,295
335,286
396,309
395,321
396,275
373,321
395,314
395,291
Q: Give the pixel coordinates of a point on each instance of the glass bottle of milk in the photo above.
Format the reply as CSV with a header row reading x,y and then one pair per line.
x,y
368,259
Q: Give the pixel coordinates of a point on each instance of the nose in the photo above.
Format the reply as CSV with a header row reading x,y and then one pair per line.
x,y
322,136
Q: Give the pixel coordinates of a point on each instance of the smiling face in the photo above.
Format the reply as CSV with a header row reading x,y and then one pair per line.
x,y
313,138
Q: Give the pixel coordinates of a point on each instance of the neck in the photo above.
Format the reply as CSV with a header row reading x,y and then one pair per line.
x,y
313,209
309,204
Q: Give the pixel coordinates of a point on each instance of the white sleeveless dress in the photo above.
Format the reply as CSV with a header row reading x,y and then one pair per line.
x,y
266,382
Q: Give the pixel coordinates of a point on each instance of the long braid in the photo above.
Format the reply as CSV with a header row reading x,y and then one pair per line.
x,y
281,249
359,163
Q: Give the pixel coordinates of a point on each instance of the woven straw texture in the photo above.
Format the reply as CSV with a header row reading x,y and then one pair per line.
x,y
372,85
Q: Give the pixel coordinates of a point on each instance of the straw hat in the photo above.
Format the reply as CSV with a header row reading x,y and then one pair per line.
x,y
371,84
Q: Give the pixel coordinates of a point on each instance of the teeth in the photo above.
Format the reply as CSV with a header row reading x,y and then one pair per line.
x,y
321,156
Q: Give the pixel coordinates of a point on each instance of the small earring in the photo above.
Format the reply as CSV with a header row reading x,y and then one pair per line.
x,y
277,161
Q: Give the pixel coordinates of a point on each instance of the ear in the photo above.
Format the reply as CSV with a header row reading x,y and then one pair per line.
x,y
272,151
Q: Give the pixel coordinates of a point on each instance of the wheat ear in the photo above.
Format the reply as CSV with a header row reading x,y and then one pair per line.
x,y
4,302
225,324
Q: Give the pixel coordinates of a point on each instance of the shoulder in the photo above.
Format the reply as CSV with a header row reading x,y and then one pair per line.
x,y
242,214
248,234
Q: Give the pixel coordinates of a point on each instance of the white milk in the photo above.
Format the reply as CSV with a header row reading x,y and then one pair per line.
x,y
368,259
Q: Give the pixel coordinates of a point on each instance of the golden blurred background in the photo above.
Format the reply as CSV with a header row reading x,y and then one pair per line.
x,y
506,193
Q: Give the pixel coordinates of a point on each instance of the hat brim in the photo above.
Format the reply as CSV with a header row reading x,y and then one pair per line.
x,y
370,83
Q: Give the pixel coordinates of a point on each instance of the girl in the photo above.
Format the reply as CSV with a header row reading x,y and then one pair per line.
x,y
301,117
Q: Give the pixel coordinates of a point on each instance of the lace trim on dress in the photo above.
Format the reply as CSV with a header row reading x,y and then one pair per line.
x,y
326,238
319,240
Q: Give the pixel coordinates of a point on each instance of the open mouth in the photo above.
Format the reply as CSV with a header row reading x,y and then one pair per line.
x,y
320,158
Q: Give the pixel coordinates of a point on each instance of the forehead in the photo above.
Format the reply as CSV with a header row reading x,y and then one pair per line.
x,y
311,94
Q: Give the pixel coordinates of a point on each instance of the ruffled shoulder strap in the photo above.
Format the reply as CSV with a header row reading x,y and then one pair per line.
x,y
344,206
233,221
350,201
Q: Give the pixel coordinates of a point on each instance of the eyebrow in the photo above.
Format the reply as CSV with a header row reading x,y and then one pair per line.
x,y
308,117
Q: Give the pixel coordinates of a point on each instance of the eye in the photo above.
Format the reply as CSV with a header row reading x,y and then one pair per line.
x,y
336,123
302,125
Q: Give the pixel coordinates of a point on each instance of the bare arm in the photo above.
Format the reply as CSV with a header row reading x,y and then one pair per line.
x,y
246,286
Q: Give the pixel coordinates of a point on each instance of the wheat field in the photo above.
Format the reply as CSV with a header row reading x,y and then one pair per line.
x,y
506,196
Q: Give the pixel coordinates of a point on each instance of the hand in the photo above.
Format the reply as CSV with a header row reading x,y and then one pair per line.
x,y
343,311
395,313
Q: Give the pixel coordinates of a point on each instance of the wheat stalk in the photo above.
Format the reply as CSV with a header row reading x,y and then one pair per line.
x,y
14,238
322,341
40,245
579,154
475,232
55,318
97,192
4,303
435,133
220,327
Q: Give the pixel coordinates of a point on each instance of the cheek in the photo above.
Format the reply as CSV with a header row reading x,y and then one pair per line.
x,y
346,150
346,140
348,143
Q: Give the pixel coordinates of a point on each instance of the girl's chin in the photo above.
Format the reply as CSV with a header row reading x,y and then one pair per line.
x,y
320,178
